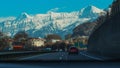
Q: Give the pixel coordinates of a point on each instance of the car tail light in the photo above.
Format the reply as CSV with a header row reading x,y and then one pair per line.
x,y
73,50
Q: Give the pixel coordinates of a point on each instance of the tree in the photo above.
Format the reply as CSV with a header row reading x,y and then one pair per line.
x,y
4,42
1,34
68,36
53,36
21,36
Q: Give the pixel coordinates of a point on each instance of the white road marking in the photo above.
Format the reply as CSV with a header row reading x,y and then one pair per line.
x,y
33,56
91,56
60,58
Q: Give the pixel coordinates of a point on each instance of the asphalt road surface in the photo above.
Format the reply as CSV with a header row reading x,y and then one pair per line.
x,y
61,56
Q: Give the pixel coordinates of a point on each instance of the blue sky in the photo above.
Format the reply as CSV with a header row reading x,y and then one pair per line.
x,y
16,7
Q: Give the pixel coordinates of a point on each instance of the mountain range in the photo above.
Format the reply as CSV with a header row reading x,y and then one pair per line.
x,y
40,25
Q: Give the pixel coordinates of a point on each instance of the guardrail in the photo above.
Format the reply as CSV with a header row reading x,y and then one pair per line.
x,y
14,52
7,56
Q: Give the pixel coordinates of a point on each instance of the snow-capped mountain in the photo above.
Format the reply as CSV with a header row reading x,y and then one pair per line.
x,y
91,11
40,25
2,19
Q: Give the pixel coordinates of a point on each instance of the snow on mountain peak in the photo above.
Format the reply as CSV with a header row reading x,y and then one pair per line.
x,y
61,23
95,9
91,11
24,15
2,19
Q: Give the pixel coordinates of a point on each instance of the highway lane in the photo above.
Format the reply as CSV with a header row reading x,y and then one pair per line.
x,y
61,56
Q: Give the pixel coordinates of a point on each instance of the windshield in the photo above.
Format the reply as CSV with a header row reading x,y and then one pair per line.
x,y
58,30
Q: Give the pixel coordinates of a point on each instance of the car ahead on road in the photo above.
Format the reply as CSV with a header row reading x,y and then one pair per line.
x,y
73,50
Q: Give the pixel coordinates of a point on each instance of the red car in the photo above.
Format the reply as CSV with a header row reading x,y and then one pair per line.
x,y
73,50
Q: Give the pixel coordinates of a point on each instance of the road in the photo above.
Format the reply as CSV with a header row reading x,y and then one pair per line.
x,y
61,56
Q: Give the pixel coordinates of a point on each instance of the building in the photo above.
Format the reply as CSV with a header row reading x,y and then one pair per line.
x,y
35,42
10,46
82,39
55,40
69,41
7,44
18,46
52,41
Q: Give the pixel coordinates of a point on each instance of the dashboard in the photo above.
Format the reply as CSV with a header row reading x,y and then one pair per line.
x,y
60,65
